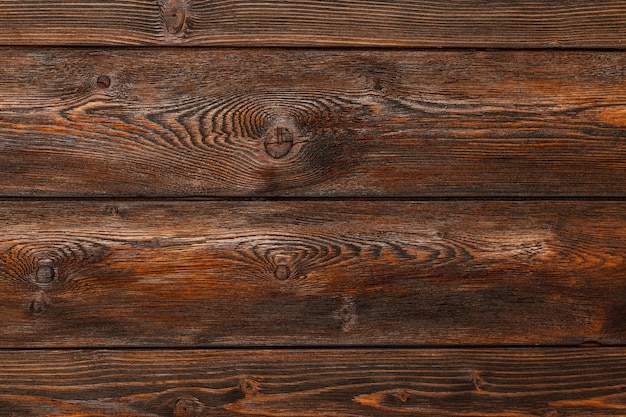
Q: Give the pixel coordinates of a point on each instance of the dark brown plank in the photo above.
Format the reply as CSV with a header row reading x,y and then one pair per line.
x,y
311,123
457,383
311,273
423,23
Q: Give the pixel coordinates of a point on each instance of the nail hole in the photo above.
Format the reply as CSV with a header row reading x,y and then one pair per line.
x,y
103,82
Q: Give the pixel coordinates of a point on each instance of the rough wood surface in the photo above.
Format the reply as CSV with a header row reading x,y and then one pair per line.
x,y
486,210
423,23
457,383
193,122
311,273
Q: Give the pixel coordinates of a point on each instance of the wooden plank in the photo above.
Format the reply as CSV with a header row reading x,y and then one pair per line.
x,y
311,123
421,23
169,274
457,383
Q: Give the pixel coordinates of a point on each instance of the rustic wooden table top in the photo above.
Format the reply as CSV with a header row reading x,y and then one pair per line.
x,y
312,208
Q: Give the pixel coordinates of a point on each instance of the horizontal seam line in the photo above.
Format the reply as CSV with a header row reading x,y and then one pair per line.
x,y
441,48
313,199
321,347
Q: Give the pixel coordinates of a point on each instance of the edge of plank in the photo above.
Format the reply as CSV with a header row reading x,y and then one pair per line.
x,y
531,382
421,23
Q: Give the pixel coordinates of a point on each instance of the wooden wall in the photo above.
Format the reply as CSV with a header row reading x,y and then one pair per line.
x,y
312,208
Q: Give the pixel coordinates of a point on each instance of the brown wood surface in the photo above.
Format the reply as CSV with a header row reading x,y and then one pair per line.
x,y
91,274
470,261
423,23
205,122
457,383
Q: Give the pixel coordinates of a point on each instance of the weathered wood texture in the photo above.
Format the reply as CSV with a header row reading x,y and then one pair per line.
x,y
200,122
425,23
311,273
520,104
456,383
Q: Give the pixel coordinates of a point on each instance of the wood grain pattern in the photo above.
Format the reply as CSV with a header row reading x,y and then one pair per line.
x,y
456,383
478,207
423,23
193,122
335,273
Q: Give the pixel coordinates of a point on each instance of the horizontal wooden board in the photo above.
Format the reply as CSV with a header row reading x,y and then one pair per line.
x,y
173,274
199,122
421,23
456,383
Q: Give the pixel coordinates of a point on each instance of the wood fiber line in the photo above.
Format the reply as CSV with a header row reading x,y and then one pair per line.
x,y
458,383
337,273
204,122
427,23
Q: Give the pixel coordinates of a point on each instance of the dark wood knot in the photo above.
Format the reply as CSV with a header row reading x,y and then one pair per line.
x,y
402,395
174,16
249,386
38,305
282,272
103,82
45,274
188,407
279,142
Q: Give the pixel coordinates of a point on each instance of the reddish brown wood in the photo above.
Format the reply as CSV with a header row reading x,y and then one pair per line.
x,y
336,274
304,383
168,274
405,23
198,122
